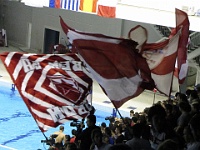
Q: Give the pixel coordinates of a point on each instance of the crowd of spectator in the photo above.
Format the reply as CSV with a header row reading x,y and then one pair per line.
x,y
167,125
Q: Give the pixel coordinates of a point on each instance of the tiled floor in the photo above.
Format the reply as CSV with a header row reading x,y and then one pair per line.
x,y
146,99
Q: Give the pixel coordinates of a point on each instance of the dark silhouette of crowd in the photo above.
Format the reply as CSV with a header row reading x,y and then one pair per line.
x,y
168,125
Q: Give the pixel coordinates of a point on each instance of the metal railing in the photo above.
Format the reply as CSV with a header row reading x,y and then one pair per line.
x,y
194,39
194,42
164,31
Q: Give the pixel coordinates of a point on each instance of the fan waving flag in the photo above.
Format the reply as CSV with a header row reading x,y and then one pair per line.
x,y
54,87
114,63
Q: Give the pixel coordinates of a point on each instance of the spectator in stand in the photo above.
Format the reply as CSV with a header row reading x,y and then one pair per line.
x,y
131,113
138,143
108,134
119,136
134,120
187,135
195,107
145,127
176,96
71,146
168,145
193,96
160,128
97,143
73,138
136,114
182,98
194,125
106,139
60,139
188,92
103,126
175,111
197,88
67,140
120,146
126,127
184,118
84,137
170,116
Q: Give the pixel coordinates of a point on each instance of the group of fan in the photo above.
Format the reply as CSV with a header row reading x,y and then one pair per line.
x,y
167,125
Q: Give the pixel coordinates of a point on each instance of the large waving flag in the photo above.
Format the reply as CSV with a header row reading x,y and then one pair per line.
x,y
162,56
54,87
113,62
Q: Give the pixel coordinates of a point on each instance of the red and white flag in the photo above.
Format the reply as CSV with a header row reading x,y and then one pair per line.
x,y
54,87
113,62
107,8
182,22
162,56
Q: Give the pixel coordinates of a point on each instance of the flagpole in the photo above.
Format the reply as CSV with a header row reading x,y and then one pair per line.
x,y
119,113
154,96
169,96
47,139
174,64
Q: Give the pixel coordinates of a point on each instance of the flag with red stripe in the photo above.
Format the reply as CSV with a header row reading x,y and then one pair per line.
x,y
113,62
161,59
182,22
54,87
161,56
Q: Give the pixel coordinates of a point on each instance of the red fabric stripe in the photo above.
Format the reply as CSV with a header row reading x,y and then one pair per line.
x,y
166,66
182,21
97,51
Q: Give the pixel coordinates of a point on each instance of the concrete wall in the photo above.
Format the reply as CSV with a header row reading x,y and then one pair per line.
x,y
16,21
18,16
1,14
